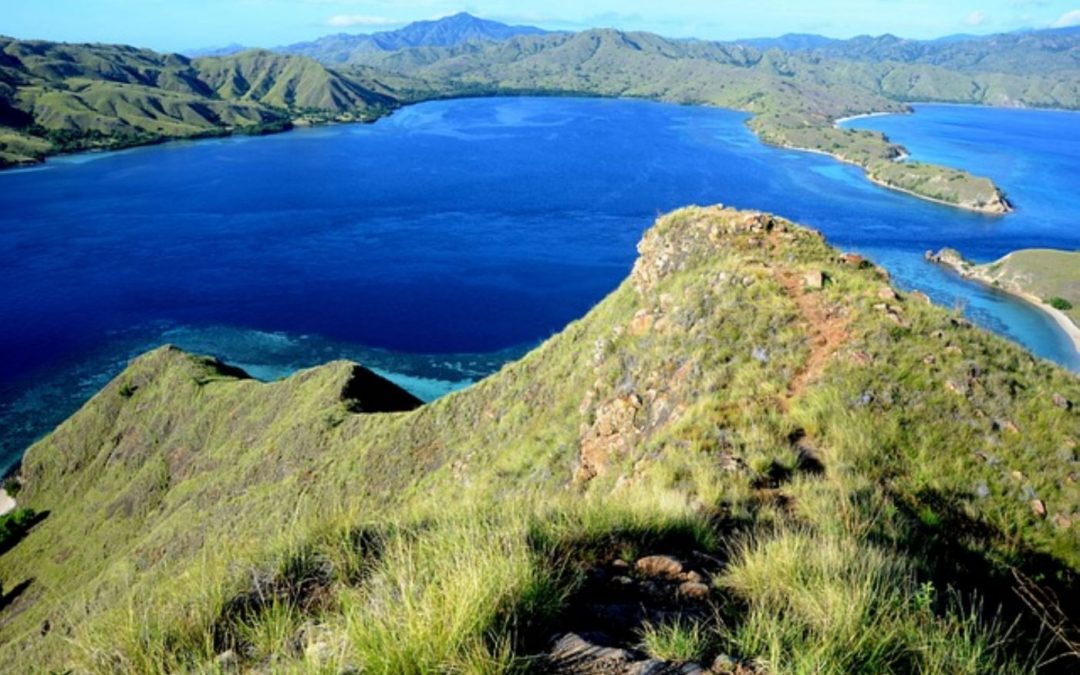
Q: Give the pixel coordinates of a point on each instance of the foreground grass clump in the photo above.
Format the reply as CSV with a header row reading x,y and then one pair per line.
x,y
857,480
679,641
826,603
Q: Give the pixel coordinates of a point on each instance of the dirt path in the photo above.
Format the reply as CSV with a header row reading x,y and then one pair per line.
x,y
827,332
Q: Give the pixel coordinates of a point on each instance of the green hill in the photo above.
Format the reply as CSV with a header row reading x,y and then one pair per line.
x,y
60,97
754,452
56,97
795,97
457,29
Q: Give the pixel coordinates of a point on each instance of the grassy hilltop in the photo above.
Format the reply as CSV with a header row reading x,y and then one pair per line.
x,y
753,455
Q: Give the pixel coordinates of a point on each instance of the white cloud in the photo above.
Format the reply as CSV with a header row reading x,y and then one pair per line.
x,y
353,20
976,18
1068,19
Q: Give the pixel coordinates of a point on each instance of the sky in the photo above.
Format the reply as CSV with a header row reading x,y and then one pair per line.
x,y
177,25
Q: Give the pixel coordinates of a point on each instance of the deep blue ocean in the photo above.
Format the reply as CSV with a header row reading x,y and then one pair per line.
x,y
441,242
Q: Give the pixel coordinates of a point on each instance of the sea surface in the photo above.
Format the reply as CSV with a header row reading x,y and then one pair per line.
x,y
453,236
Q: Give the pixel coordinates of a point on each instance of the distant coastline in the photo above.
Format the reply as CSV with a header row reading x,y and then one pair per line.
x,y
953,261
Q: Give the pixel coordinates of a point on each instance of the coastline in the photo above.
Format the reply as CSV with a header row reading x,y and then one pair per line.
x,y
1064,323
298,124
7,503
881,183
840,120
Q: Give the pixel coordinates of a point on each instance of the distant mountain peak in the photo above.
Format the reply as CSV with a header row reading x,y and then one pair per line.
x,y
447,31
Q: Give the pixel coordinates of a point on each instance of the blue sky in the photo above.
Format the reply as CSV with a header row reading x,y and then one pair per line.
x,y
184,24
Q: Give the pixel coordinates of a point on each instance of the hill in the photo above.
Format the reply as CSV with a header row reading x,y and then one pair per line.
x,y
795,98
1048,278
754,454
1043,51
453,30
62,97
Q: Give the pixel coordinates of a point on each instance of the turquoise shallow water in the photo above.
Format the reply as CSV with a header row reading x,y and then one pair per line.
x,y
447,239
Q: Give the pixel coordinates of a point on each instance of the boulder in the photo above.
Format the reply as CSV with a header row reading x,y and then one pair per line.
x,y
693,590
814,279
659,566
1038,508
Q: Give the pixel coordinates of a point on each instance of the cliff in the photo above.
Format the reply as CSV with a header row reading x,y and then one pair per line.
x,y
754,455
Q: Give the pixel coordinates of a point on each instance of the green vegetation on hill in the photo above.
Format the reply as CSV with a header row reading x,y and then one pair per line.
x,y
62,98
56,98
753,451
795,97
1048,275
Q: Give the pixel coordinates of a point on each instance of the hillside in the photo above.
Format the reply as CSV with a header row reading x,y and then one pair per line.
x,y
448,31
1048,278
754,454
56,98
61,97
1024,52
795,98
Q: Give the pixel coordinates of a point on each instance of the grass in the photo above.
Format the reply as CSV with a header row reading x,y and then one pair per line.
x,y
194,513
678,641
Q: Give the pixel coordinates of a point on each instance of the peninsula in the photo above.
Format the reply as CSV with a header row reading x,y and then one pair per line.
x,y
58,98
1048,279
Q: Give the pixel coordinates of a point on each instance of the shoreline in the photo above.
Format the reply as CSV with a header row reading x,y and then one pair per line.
x,y
880,183
7,503
1062,320
840,120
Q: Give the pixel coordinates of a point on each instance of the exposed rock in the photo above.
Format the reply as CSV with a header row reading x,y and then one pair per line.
x,y
887,294
982,491
814,279
641,324
1038,508
855,260
227,660
693,590
611,434
659,566
573,654
1062,402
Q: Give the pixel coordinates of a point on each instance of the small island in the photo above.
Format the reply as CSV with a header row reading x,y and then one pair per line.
x,y
1047,278
885,162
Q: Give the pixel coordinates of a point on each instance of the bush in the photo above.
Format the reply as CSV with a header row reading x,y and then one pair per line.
x,y
14,526
1060,303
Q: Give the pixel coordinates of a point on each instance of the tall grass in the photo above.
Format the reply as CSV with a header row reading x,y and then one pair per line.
x,y
830,603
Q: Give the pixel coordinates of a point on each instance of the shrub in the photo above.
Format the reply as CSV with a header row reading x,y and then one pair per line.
x,y
1059,303
14,526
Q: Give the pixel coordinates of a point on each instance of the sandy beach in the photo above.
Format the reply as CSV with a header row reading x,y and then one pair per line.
x,y
849,118
7,502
